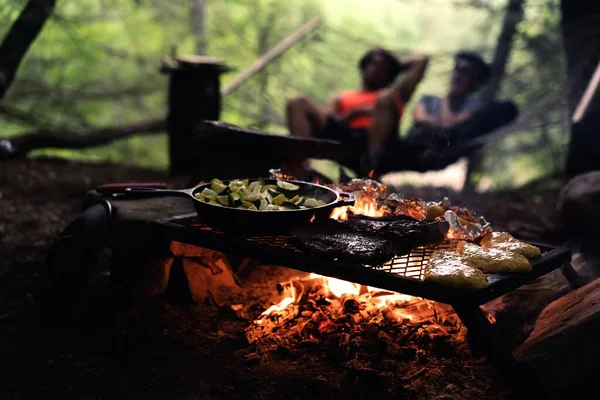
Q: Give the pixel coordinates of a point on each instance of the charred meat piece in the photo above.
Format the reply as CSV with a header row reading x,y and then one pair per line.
x,y
338,240
422,232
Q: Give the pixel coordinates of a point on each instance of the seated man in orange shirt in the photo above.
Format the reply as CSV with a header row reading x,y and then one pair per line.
x,y
361,118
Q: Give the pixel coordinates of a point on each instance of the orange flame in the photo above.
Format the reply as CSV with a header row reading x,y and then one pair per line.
x,y
365,204
336,288
282,305
370,174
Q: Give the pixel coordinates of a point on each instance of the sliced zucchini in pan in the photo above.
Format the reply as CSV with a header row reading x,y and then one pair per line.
x,y
298,200
236,185
256,195
263,204
279,199
251,197
217,186
265,188
208,192
310,202
223,200
289,205
288,186
234,199
252,186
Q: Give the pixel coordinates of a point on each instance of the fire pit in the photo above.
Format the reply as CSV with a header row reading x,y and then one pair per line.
x,y
339,301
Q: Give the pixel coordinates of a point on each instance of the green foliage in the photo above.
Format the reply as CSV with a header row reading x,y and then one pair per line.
x,y
97,64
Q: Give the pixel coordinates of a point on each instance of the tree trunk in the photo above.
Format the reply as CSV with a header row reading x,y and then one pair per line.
x,y
581,36
514,15
20,36
198,25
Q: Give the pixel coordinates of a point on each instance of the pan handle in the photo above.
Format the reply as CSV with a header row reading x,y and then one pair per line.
x,y
110,188
345,199
142,193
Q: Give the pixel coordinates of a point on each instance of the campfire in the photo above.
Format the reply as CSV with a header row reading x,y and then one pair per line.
x,y
349,318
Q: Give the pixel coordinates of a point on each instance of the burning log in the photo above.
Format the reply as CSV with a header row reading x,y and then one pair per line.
x,y
348,321
270,322
351,303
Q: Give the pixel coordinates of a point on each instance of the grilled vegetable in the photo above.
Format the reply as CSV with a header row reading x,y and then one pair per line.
x,y
257,196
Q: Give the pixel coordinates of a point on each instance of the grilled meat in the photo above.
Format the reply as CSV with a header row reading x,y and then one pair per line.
x,y
338,240
368,240
422,233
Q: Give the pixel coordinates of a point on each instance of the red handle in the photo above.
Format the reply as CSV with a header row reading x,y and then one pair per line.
x,y
111,188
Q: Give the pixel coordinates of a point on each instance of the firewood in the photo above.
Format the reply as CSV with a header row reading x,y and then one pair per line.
x,y
301,289
351,303
562,348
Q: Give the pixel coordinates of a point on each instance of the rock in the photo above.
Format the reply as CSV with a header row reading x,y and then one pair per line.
x,y
563,348
155,279
577,205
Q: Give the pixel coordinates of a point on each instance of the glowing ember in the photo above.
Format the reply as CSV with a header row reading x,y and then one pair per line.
x,y
316,308
277,307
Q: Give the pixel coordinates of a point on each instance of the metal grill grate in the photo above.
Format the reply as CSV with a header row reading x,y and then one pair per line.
x,y
410,266
413,265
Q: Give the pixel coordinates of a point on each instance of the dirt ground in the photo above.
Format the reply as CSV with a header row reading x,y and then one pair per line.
x,y
163,350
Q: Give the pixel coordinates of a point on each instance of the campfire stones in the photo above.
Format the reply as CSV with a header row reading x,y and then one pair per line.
x,y
206,273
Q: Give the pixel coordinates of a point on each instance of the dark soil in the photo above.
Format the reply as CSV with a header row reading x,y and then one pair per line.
x,y
161,350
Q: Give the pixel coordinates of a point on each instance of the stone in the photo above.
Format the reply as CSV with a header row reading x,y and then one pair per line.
x,y
155,279
578,205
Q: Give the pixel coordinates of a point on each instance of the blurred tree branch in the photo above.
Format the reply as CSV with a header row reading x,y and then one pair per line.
x,y
67,139
19,38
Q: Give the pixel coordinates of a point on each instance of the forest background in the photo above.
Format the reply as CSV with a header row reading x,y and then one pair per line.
x,y
96,63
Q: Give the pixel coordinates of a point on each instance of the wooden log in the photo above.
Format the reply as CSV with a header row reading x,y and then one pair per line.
x,y
300,289
194,95
228,138
229,151
251,145
563,347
